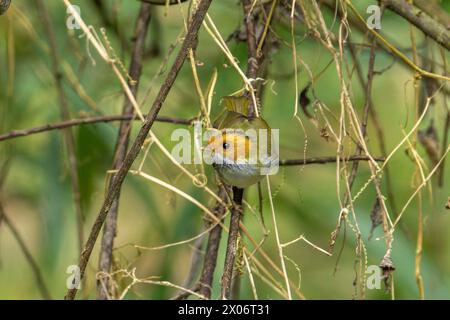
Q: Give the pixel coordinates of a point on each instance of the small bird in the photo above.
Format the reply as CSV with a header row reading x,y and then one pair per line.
x,y
241,146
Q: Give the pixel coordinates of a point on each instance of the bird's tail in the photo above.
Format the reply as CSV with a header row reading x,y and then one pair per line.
x,y
239,104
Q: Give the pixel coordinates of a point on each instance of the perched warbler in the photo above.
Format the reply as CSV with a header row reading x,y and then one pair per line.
x,y
241,146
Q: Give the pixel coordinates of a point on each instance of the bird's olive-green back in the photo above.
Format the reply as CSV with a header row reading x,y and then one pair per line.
x,y
235,115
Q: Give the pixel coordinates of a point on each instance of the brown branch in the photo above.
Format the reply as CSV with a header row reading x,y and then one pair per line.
x,y
257,65
252,72
34,266
323,160
204,284
230,285
421,20
446,130
212,248
255,60
188,43
249,22
253,64
236,212
65,116
76,122
109,230
434,10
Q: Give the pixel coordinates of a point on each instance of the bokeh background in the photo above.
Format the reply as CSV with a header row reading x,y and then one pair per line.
x,y
37,194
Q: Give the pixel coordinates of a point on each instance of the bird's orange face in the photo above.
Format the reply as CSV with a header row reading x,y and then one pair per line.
x,y
235,154
232,146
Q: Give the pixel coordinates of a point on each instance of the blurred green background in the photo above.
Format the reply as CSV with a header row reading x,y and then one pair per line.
x,y
37,192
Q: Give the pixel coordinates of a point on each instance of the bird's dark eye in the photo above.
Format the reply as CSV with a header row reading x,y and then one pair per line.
x,y
225,145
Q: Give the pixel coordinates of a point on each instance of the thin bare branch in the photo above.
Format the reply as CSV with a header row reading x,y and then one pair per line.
x,y
188,43
82,121
429,26
324,160
233,234
212,248
109,230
